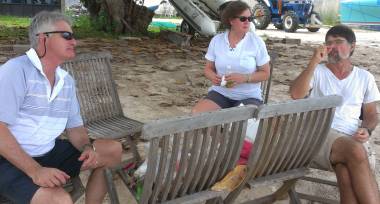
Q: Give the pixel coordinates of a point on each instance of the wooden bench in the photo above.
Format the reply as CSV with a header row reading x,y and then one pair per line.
x,y
289,136
188,154
329,181
207,146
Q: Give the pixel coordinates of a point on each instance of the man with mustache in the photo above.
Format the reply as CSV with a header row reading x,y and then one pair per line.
x,y
343,151
38,102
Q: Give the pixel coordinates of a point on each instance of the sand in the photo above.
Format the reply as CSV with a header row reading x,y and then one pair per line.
x,y
156,79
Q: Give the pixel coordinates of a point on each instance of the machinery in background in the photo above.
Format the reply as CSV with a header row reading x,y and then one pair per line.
x,y
288,15
202,16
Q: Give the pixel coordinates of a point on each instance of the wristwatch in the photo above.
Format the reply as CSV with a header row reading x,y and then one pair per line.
x,y
88,145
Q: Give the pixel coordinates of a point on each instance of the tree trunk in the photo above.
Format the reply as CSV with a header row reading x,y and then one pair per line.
x,y
120,16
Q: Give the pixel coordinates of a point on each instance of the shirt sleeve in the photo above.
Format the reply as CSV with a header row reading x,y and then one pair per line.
x,y
12,91
262,56
372,92
74,119
210,55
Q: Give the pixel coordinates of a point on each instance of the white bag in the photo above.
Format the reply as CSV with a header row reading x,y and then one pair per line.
x,y
252,127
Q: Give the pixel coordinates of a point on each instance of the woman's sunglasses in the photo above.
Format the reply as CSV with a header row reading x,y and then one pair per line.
x,y
64,34
244,18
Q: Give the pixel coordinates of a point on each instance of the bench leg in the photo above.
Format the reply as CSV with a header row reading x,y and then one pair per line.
x,y
111,186
288,188
293,196
217,200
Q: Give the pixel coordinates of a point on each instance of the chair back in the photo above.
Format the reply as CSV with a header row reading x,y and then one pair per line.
x,y
289,135
189,154
265,85
96,91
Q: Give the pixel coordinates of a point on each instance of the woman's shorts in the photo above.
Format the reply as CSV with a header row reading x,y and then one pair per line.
x,y
225,102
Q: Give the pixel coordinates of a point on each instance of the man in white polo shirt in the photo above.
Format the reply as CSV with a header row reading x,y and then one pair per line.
x,y
37,103
343,151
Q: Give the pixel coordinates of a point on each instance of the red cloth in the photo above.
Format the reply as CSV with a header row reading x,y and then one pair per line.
x,y
244,154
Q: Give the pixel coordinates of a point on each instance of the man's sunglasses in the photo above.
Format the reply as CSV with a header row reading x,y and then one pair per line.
x,y
64,34
244,18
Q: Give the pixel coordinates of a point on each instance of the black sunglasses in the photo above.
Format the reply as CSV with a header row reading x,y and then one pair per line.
x,y
244,18
64,34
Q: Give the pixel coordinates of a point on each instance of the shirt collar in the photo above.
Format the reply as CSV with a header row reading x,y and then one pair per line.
x,y
33,57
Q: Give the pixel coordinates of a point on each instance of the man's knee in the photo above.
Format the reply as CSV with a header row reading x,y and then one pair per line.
x,y
346,149
111,151
357,153
116,150
51,195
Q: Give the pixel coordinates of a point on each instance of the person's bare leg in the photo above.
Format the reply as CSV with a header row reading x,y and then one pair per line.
x,y
55,195
347,194
205,105
353,156
110,155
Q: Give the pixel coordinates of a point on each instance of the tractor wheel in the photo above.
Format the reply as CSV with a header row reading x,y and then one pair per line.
x,y
186,28
290,22
313,29
279,26
262,16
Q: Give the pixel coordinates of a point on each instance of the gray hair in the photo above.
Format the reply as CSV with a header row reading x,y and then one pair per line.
x,y
44,21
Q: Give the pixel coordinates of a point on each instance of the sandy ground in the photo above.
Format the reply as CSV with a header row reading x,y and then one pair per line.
x,y
157,79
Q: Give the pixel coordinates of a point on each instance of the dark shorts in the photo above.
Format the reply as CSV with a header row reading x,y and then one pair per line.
x,y
225,102
19,188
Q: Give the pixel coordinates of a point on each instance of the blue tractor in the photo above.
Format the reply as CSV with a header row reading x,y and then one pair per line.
x,y
288,15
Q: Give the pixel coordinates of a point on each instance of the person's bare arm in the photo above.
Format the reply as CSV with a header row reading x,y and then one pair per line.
x,y
301,85
78,137
261,74
370,121
210,73
12,152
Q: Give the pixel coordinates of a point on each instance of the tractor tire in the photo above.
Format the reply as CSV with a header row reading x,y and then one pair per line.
x,y
313,29
262,16
279,26
290,22
187,28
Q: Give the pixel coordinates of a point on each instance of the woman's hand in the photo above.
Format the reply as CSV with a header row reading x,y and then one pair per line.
x,y
237,78
210,73
214,78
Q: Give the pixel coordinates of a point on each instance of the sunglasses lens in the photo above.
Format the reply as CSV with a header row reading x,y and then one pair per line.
x,y
67,35
243,18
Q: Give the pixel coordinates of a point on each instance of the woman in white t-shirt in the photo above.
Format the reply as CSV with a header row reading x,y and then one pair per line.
x,y
237,61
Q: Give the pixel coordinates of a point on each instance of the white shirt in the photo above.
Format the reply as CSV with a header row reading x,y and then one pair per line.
x,y
248,54
35,112
356,89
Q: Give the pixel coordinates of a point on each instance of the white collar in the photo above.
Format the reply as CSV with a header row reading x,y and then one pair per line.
x,y
60,73
33,57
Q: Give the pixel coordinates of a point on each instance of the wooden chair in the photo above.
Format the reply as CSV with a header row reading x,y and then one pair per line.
x,y
188,154
289,136
265,85
99,102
